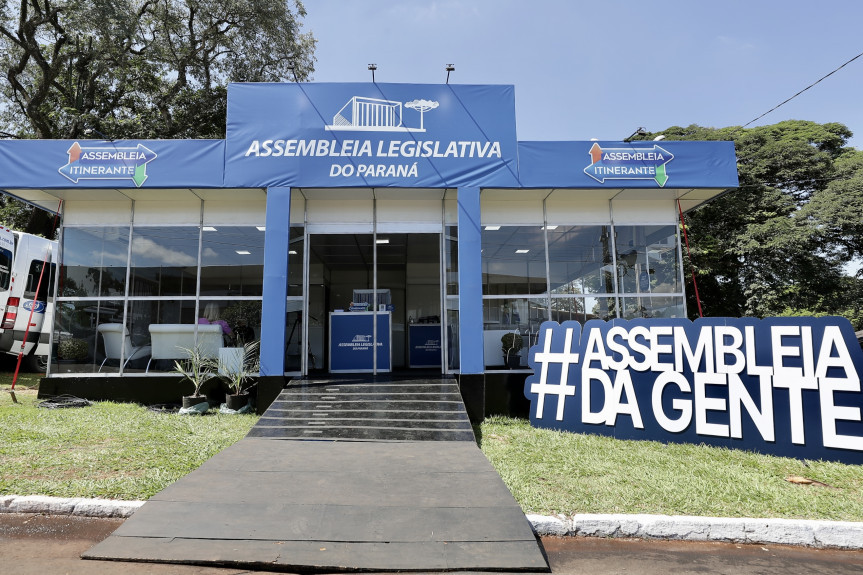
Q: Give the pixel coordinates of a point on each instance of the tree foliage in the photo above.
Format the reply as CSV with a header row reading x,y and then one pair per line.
x,y
136,69
781,243
141,68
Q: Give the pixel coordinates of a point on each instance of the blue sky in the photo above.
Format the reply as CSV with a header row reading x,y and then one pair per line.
x,y
601,69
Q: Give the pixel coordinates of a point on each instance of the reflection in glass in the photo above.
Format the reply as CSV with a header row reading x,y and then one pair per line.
x,y
294,337
296,253
452,332
94,261
513,260
645,306
451,259
647,259
232,261
511,315
582,309
580,259
77,345
164,261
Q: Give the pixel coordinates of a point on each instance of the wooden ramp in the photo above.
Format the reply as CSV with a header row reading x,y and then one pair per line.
x,y
341,475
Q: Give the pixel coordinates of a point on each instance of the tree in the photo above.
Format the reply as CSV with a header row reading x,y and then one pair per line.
x,y
141,68
422,106
779,243
136,69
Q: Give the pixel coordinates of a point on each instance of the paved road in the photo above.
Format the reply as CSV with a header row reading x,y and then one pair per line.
x,y
47,545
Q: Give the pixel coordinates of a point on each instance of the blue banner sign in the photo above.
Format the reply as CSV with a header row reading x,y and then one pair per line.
x,y
783,386
99,164
640,165
629,163
108,161
424,347
360,135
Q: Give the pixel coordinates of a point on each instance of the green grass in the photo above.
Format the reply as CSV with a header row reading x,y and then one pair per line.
x,y
124,451
553,472
112,450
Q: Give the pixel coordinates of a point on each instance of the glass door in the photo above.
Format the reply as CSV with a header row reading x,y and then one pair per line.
x,y
391,279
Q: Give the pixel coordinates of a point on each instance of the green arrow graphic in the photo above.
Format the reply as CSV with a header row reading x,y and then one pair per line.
x,y
661,176
141,175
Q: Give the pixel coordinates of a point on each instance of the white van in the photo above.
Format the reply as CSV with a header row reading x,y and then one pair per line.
x,y
22,258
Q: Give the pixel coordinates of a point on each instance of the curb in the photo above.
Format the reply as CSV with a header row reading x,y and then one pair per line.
x,y
68,506
803,533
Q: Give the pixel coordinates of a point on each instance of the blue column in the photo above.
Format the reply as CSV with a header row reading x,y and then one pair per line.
x,y
470,282
276,240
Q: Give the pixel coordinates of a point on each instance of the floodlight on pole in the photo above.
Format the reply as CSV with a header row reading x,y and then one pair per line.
x,y
639,132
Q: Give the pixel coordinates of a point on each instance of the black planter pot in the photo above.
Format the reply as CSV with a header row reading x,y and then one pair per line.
x,y
512,361
237,402
193,400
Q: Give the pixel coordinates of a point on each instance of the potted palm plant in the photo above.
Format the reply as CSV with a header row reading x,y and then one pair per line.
x,y
238,373
511,344
198,369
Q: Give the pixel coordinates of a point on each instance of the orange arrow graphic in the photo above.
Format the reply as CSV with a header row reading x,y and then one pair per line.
x,y
74,152
595,153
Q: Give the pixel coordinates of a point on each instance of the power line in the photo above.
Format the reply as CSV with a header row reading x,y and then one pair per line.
x,y
803,90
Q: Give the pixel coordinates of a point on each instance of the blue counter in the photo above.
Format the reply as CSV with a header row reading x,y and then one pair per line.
x,y
351,342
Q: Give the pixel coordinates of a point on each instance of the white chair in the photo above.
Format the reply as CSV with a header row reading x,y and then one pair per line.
x,y
170,340
118,344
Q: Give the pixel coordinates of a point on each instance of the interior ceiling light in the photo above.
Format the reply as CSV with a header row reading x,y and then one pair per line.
x,y
548,228
292,252
261,228
492,228
382,241
210,229
244,252
521,251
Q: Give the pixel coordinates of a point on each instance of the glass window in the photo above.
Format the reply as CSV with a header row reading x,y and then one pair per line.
x,y
513,260
582,309
37,280
635,307
501,316
5,268
296,253
232,261
580,259
647,259
78,345
294,337
94,261
164,261
451,258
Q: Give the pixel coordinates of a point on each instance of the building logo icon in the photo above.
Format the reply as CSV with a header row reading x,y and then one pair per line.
x,y
631,163
362,114
108,162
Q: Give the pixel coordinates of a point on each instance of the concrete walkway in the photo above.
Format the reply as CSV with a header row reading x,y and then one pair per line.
x,y
341,474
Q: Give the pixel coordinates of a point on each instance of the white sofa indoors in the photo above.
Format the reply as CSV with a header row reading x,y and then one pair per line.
x,y
168,340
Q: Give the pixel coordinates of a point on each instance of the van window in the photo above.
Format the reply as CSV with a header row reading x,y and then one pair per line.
x,y
5,268
47,286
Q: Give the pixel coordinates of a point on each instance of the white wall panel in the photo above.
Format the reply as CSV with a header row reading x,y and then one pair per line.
x,y
645,212
340,211
426,211
235,212
185,212
82,212
513,212
562,210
